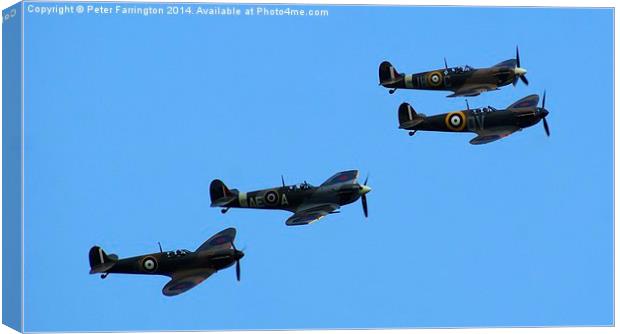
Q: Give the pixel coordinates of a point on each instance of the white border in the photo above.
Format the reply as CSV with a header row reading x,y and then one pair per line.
x,y
488,3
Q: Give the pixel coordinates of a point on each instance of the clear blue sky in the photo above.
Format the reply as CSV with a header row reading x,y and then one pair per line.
x,y
128,119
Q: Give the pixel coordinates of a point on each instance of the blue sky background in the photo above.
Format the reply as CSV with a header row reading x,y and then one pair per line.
x,y
128,119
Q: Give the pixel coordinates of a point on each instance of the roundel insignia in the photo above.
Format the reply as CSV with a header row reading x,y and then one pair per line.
x,y
271,197
344,177
149,264
456,121
435,78
220,240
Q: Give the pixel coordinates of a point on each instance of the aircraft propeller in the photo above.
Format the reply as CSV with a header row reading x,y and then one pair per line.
x,y
238,255
544,112
519,72
364,189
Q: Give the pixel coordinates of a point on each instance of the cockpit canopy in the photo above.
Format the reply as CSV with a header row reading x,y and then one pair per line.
x,y
178,253
487,109
459,69
302,186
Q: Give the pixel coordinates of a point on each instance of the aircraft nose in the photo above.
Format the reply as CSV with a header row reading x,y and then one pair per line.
x,y
239,255
364,189
544,113
520,71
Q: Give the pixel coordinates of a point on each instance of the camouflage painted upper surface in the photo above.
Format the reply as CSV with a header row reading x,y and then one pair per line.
x,y
462,81
186,268
309,203
489,123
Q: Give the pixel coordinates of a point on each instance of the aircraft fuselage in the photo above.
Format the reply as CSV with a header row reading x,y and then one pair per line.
x,y
477,120
291,197
166,263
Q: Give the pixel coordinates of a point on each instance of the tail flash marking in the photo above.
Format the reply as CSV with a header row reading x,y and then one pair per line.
x,y
243,199
409,81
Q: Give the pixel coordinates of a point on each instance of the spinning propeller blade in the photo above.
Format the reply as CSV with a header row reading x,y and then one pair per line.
x,y
525,80
545,112
364,200
365,206
237,265
519,72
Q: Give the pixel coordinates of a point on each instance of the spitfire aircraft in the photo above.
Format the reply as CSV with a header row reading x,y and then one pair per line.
x,y
309,203
489,123
187,269
462,81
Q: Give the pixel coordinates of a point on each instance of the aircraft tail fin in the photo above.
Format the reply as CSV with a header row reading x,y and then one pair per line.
x,y
388,75
100,262
220,194
407,117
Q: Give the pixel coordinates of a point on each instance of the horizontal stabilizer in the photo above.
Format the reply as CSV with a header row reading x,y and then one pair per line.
x,y
223,201
411,123
391,81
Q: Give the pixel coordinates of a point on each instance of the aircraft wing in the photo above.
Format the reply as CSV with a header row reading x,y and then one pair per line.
x,y
184,280
349,176
527,103
222,240
507,63
492,135
473,90
310,214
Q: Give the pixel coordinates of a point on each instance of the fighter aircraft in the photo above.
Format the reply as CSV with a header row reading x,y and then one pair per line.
x,y
187,269
489,123
309,203
463,81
